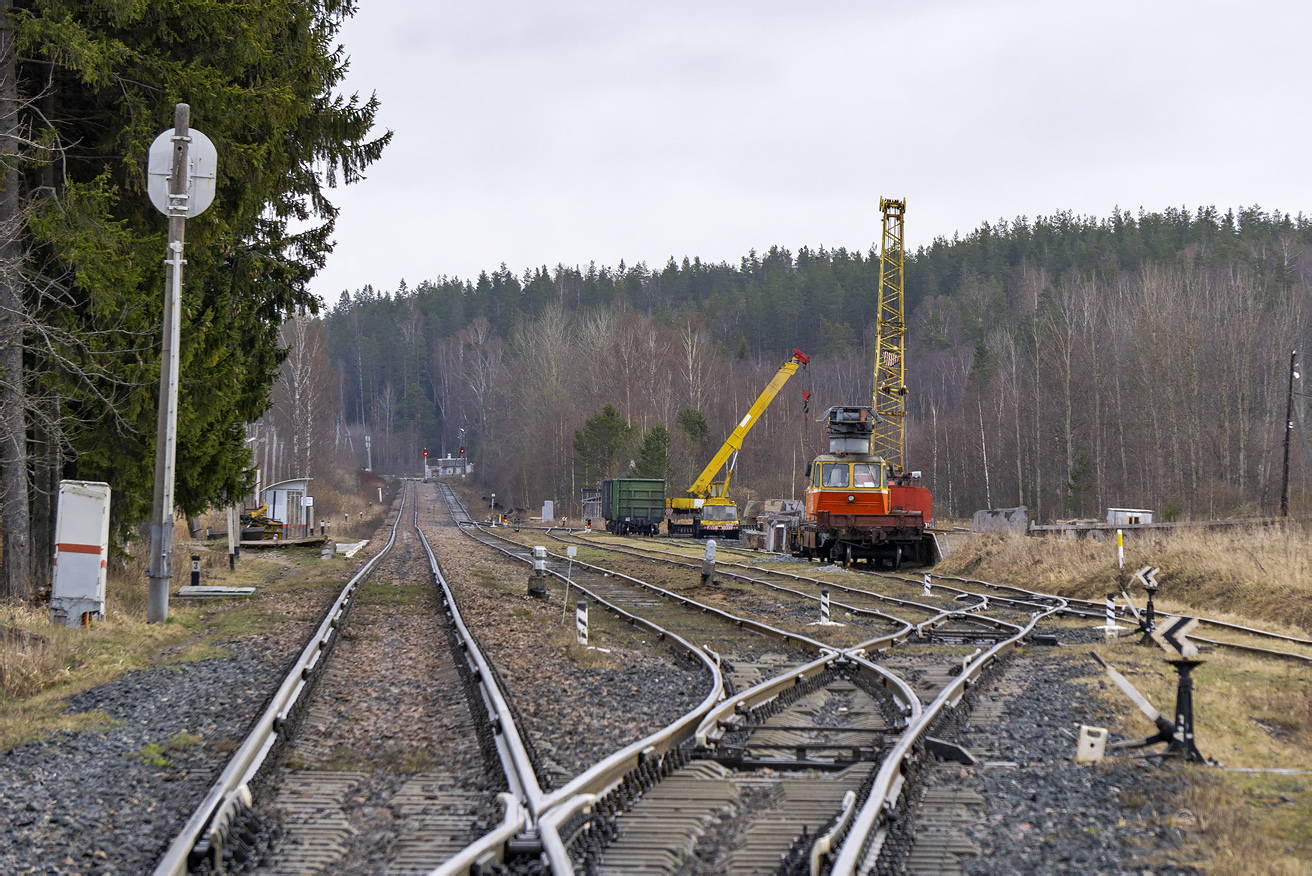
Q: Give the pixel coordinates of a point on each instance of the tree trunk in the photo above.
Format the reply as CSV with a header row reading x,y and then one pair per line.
x,y
13,423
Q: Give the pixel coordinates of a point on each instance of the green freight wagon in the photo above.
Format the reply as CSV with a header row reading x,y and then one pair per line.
x,y
634,505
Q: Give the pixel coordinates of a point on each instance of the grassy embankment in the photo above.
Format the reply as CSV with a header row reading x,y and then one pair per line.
x,y
42,664
1250,712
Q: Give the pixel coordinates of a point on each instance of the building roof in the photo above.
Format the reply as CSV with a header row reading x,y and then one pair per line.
x,y
293,484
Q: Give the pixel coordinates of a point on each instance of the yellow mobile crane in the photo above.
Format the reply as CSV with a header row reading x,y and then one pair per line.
x,y
707,510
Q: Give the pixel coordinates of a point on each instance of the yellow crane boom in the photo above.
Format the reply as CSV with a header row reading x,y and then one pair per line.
x,y
706,491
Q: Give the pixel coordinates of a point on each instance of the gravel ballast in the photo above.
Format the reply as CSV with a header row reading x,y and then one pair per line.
x,y
110,799
576,711
103,801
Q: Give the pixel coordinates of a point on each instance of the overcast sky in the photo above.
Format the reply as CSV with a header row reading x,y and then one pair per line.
x,y
537,133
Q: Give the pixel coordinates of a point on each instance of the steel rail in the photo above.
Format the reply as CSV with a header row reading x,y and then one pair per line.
x,y
758,693
520,775
713,725
747,623
514,820
230,794
920,717
861,846
939,615
841,586
929,609
1097,610
608,772
598,779
750,580
526,790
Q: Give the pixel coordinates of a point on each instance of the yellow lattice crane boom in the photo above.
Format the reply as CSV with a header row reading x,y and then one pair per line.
x,y
890,344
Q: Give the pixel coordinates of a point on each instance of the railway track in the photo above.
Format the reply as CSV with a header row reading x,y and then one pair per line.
x,y
814,748
330,747
812,766
1219,633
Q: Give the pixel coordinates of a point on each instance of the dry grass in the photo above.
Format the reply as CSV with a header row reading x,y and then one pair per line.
x,y
1256,824
42,664
1249,713
1261,573
48,663
348,501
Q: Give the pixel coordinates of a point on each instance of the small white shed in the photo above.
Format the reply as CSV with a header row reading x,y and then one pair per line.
x,y
291,504
453,465
1128,516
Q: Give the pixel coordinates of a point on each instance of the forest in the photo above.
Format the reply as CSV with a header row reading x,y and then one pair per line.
x,y
1065,363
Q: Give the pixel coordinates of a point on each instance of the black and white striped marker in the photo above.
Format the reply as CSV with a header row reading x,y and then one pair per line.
x,y
581,620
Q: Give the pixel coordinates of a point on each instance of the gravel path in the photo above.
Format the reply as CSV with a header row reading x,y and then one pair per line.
x,y
103,802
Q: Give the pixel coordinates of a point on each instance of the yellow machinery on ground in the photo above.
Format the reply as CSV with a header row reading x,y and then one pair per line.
x,y
707,510
257,525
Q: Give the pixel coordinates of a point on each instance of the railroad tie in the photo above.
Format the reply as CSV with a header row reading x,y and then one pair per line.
x,y
317,829
940,841
438,815
796,803
659,833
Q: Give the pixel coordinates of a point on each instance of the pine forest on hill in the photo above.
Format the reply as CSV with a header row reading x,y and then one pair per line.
x,y
1065,363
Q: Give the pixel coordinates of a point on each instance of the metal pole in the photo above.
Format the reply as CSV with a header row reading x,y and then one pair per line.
x,y
1289,427
166,433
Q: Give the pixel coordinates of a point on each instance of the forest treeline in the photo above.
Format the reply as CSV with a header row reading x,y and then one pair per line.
x,y
1066,363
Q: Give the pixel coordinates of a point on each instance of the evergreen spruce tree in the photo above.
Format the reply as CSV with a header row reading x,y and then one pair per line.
x,y
654,454
601,446
97,82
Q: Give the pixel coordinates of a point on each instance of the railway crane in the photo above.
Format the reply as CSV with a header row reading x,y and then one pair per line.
x,y
860,501
707,510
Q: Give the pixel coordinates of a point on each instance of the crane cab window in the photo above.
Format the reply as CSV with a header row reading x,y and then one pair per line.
x,y
866,475
719,512
834,474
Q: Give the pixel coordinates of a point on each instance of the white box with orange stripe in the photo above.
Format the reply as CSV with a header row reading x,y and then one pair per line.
x,y
77,594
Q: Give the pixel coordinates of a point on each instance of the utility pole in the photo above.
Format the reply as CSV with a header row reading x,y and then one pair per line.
x,y
188,191
1289,427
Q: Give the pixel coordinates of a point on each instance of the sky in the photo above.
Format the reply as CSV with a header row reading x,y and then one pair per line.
x,y
545,133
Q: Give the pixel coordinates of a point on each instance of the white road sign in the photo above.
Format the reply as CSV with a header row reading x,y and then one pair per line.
x,y
202,161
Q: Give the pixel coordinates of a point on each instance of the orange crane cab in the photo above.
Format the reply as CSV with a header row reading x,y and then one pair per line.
x,y
856,506
860,504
